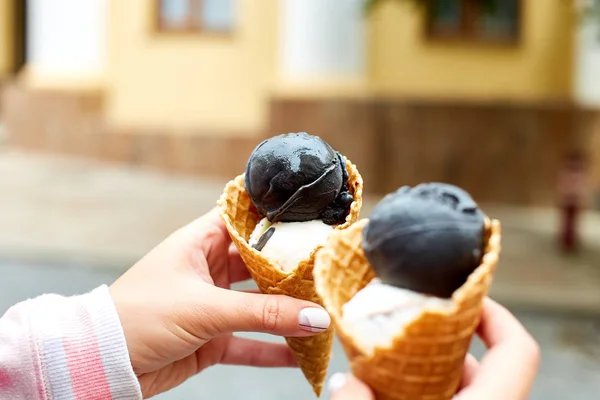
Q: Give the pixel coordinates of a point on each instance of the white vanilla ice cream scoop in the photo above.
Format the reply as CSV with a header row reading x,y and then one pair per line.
x,y
290,242
378,313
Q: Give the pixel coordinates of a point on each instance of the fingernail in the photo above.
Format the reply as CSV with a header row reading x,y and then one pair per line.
x,y
336,382
314,319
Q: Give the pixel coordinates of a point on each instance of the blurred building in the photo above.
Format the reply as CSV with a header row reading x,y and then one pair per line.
x,y
488,101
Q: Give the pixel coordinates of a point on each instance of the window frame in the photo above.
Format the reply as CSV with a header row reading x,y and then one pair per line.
x,y
191,28
466,34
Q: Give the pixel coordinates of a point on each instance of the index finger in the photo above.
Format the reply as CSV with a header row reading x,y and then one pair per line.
x,y
210,224
509,367
211,218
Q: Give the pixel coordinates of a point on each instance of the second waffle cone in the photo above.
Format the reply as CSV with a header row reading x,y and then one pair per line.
x,y
425,361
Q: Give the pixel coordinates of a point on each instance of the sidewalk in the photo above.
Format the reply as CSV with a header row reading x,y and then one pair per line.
x,y
79,212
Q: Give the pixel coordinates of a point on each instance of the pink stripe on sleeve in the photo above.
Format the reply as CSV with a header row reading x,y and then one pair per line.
x,y
6,381
84,361
82,349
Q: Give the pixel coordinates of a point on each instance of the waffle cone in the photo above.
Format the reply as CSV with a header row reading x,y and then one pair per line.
x,y
425,361
241,217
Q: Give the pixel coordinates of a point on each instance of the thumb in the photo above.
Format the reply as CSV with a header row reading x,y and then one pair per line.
x,y
274,314
346,387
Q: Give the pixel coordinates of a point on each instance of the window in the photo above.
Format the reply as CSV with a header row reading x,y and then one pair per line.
x,y
474,20
212,16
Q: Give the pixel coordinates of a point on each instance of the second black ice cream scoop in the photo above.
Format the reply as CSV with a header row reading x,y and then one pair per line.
x,y
298,177
427,239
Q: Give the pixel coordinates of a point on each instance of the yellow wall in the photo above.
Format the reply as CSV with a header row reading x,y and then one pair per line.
x,y
208,84
403,62
6,38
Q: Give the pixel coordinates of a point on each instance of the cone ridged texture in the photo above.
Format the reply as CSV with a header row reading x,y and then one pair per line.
x,y
425,361
241,217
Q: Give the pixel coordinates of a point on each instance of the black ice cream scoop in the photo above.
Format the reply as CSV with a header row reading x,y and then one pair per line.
x,y
298,177
427,239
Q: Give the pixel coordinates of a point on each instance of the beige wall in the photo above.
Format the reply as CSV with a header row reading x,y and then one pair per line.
x,y
205,83
6,38
403,62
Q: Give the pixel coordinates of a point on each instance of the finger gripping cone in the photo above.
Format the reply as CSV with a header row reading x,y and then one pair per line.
x,y
425,360
241,217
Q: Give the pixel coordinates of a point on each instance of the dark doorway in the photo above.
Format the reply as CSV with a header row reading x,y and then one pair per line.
x,y
20,34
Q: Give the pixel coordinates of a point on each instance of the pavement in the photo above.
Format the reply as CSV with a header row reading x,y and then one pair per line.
x,y
68,225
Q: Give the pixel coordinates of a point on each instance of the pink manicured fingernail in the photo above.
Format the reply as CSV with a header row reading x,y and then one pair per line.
x,y
314,319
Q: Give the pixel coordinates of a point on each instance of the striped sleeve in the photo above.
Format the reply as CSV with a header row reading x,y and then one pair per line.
x,y
77,348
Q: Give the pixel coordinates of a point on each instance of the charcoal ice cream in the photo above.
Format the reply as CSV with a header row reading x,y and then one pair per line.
x,y
298,177
422,243
427,239
299,185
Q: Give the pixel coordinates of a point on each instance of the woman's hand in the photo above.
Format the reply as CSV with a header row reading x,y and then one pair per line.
x,y
508,369
178,312
506,372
